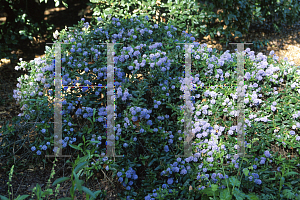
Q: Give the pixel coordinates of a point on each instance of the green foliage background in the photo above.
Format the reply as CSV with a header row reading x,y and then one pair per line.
x,y
26,17
199,17
25,20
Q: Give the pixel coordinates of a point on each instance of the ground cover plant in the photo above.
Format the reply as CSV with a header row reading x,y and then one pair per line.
x,y
150,115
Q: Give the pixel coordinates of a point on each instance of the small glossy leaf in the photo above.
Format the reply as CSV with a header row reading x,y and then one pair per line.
x,y
88,191
80,166
75,147
59,180
22,197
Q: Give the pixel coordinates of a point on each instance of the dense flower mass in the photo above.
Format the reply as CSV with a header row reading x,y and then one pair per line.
x,y
150,112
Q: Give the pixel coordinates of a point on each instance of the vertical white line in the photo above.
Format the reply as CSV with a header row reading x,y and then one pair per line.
x,y
240,101
110,101
240,98
188,103
57,103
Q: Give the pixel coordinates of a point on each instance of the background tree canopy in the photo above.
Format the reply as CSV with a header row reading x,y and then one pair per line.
x,y
25,19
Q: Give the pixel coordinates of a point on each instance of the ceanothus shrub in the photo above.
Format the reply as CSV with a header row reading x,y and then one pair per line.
x,y
155,103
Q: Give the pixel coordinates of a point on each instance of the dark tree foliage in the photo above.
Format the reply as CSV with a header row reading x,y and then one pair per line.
x,y
24,21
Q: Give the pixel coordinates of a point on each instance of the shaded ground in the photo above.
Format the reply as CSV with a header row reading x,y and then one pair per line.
x,y
286,44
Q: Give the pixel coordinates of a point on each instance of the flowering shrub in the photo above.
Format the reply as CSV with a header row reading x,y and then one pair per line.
x,y
149,111
203,18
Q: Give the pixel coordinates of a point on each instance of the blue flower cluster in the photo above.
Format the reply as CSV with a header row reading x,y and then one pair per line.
x,y
141,113
254,177
155,192
130,174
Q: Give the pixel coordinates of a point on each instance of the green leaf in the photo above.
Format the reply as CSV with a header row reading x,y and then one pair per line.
x,y
97,193
186,183
3,197
83,159
157,168
238,194
94,141
237,33
252,196
246,172
214,187
294,182
152,162
80,166
66,198
59,180
290,173
225,195
208,191
226,21
75,147
47,192
22,197
234,182
90,120
88,191
288,193
78,183
38,190
65,4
